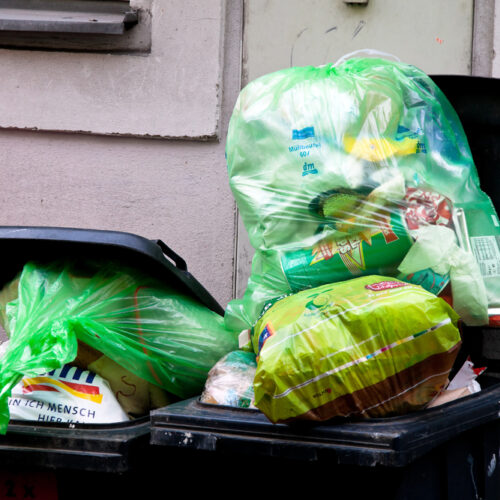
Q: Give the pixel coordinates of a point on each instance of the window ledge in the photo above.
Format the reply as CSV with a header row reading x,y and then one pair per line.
x,y
75,26
80,16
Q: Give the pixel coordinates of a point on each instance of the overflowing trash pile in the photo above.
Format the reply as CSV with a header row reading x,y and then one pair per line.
x,y
373,244
372,239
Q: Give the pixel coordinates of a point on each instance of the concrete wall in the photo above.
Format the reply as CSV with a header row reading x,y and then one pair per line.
x,y
434,36
483,37
495,20
169,189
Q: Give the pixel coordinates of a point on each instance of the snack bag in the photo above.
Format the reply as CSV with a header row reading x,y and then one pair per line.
x,y
368,347
336,169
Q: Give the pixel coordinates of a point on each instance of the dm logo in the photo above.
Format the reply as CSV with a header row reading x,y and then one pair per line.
x,y
308,168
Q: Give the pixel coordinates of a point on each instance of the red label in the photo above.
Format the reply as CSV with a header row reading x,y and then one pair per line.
x,y
326,251
385,285
426,207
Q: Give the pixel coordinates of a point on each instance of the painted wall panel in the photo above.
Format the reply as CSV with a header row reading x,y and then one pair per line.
x,y
172,92
435,36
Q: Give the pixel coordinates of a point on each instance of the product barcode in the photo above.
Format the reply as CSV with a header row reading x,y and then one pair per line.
x,y
486,249
487,252
490,269
485,271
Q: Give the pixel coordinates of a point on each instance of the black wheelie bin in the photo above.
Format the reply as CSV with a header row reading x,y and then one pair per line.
x,y
447,452
63,460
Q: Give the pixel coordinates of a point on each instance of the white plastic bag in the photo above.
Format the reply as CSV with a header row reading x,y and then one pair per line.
x,y
65,395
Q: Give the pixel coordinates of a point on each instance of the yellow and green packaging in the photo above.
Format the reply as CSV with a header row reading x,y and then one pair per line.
x,y
369,347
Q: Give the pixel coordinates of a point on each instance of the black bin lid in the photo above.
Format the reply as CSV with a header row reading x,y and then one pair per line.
x,y
105,447
390,442
477,103
21,244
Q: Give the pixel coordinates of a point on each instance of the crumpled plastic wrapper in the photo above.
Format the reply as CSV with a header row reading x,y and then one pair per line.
x,y
436,248
230,381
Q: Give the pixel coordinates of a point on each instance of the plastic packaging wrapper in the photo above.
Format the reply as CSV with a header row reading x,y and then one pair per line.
x,y
464,383
335,170
368,347
136,396
436,249
155,332
65,395
7,294
230,381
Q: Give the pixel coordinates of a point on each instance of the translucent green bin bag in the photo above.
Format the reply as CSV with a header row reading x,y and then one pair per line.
x,y
334,170
368,347
150,329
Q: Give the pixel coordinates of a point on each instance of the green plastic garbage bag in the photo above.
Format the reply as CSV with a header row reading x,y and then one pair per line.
x,y
152,330
368,347
334,168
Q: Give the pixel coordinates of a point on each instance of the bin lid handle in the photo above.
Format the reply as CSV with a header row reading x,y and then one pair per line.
x,y
180,263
